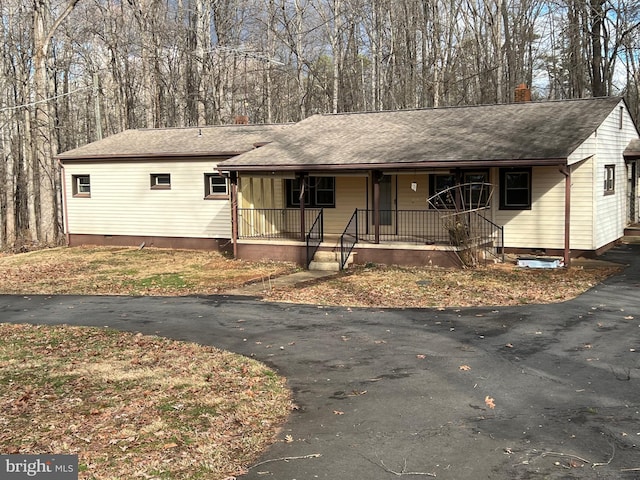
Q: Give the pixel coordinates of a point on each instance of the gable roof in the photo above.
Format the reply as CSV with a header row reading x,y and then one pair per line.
x,y
221,140
532,133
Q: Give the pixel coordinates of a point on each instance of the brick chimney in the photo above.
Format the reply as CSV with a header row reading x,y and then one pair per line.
x,y
522,93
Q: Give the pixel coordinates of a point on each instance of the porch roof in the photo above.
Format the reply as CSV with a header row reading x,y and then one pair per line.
x,y
532,133
632,152
207,141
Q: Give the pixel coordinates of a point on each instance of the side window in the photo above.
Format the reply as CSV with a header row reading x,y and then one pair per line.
x,y
81,185
215,186
515,189
161,181
609,179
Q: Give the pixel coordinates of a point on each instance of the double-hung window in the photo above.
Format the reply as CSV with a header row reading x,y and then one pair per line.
x,y
215,186
81,185
473,194
320,192
515,189
609,179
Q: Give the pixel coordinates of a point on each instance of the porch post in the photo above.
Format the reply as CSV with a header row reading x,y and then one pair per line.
x,y
303,194
377,176
566,171
234,212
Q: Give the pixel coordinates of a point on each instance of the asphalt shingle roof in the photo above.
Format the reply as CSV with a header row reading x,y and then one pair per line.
x,y
225,140
533,132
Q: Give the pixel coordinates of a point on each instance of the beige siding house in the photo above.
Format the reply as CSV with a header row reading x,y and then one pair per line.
x,y
440,186
157,186
428,186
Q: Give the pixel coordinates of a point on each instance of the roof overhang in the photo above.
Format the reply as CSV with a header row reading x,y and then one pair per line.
x,y
148,156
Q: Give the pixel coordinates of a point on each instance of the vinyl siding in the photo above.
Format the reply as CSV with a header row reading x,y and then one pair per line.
x,y
543,225
350,194
610,214
123,203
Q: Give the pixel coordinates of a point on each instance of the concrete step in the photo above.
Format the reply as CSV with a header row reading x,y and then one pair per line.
x,y
327,260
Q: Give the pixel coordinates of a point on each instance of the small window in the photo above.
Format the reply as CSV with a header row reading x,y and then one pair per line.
x,y
81,186
160,181
319,192
215,186
609,179
515,189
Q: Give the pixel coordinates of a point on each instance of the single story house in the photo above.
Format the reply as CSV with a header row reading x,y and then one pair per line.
x,y
427,186
155,186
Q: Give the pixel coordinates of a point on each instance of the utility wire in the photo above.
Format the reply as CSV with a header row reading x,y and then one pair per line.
x,y
32,104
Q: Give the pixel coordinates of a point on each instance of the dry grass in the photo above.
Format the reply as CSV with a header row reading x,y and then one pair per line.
x,y
130,271
134,406
412,287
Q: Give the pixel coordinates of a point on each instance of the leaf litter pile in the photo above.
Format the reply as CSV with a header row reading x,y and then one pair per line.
x,y
134,406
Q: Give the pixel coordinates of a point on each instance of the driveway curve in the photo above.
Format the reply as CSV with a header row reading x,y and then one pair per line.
x,y
538,391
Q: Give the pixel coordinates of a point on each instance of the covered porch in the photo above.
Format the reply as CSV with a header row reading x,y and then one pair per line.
x,y
364,218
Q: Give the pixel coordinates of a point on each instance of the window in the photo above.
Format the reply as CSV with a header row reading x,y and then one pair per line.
x,y
215,186
160,181
81,186
609,179
475,192
515,189
439,183
320,192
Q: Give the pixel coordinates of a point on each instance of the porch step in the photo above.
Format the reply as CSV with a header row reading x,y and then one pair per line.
x,y
632,231
326,260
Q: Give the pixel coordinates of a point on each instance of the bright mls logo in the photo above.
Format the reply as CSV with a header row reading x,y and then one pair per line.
x,y
50,467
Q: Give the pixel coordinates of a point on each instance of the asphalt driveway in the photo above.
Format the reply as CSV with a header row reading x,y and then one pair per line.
x,y
388,393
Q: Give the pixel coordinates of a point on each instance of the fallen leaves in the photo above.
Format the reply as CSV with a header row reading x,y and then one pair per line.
x,y
179,410
489,402
151,271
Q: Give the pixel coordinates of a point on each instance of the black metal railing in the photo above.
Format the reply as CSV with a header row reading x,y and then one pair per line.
x,y
348,239
314,237
275,223
492,235
418,227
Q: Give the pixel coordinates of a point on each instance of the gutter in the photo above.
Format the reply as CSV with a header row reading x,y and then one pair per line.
x,y
65,219
396,166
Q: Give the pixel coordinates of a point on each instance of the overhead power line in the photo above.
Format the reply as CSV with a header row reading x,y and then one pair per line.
x,y
45,100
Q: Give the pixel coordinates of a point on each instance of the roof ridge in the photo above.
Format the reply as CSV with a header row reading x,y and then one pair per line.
x,y
482,105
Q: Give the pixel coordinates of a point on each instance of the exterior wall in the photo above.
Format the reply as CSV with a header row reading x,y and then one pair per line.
x,y
122,202
542,226
610,214
351,193
407,198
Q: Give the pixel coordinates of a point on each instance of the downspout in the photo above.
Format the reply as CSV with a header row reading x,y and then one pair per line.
x,y
566,171
234,212
65,219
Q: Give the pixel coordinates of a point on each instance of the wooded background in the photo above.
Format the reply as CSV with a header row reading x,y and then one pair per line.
x,y
74,71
